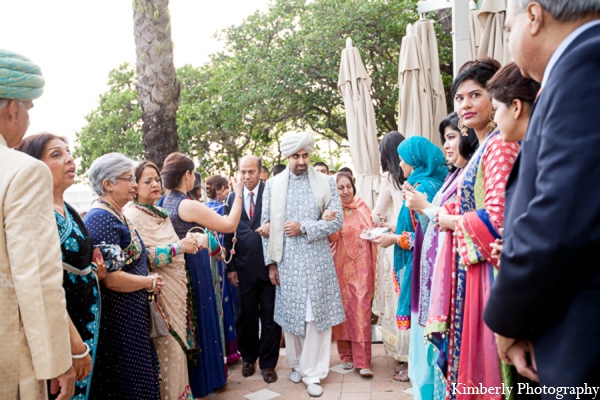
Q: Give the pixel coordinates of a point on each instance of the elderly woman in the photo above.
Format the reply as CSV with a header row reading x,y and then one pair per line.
x,y
126,365
165,254
178,176
355,262
422,164
83,265
476,217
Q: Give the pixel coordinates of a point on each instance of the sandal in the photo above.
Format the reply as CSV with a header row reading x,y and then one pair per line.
x,y
402,376
403,367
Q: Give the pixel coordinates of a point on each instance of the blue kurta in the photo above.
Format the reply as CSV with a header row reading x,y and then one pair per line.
x,y
306,268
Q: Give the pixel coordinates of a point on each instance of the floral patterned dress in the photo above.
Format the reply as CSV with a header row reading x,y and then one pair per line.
x,y
81,286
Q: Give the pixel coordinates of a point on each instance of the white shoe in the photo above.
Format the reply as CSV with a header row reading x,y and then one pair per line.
x,y
314,390
348,365
366,372
296,377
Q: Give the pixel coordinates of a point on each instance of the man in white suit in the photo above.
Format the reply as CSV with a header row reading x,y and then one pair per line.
x,y
34,331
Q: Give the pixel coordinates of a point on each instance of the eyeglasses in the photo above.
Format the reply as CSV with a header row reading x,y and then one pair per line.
x,y
131,179
297,156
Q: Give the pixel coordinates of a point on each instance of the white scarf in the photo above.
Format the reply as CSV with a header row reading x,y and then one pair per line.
x,y
319,184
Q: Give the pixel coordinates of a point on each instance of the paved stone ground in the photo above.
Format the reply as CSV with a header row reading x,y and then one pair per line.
x,y
337,386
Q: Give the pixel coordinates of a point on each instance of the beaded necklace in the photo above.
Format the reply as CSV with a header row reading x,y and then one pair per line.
x,y
344,240
134,250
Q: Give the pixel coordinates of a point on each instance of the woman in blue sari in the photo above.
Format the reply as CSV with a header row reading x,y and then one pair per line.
x,y
83,267
186,214
424,168
217,189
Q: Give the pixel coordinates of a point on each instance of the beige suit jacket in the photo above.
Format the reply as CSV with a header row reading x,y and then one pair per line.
x,y
34,330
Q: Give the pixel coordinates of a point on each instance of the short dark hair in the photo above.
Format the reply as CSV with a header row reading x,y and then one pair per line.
x,y
343,174
321,164
509,84
214,183
479,71
389,158
35,145
139,170
174,168
278,169
347,170
263,168
467,145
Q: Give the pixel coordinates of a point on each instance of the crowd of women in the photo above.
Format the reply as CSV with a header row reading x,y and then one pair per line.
x,y
442,222
440,253
128,253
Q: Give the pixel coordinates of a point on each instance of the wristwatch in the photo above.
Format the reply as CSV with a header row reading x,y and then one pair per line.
x,y
303,229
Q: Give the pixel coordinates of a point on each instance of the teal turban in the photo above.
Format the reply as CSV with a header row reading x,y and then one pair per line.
x,y
20,79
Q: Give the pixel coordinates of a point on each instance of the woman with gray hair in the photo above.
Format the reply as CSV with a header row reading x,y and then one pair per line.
x,y
126,364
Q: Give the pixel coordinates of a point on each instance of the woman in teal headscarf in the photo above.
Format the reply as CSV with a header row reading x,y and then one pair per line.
x,y
424,168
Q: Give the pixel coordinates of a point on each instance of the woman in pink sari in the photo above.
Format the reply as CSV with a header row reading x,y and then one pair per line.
x,y
355,260
476,219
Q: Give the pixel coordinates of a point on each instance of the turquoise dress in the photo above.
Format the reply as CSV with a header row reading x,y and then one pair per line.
x,y
80,285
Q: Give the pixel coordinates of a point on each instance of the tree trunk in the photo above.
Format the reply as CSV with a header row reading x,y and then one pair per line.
x,y
158,88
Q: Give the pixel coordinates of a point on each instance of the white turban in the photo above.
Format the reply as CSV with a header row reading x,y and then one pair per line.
x,y
291,143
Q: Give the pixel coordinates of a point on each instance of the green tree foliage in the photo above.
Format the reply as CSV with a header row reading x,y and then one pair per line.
x,y
116,125
278,73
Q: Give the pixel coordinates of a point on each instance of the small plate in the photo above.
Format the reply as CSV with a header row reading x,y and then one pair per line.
x,y
373,233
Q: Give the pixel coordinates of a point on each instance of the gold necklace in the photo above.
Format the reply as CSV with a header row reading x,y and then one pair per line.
x,y
348,212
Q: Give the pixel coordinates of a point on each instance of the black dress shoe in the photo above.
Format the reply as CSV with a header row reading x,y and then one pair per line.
x,y
269,375
248,370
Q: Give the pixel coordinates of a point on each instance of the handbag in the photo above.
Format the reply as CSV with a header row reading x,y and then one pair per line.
x,y
202,238
158,324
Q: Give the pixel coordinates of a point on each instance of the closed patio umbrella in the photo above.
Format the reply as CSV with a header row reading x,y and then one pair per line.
x,y
426,33
354,85
493,41
415,108
474,30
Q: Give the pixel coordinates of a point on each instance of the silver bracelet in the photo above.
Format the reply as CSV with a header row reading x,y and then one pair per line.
x,y
84,354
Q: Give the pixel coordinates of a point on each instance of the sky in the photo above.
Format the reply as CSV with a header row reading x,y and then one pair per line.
x,y
78,42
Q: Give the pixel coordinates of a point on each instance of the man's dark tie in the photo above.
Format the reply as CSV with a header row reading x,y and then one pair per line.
x,y
251,204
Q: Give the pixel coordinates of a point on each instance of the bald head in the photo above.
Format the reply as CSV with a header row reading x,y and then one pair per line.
x,y
250,171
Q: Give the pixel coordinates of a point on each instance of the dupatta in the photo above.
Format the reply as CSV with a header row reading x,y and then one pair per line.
x,y
429,171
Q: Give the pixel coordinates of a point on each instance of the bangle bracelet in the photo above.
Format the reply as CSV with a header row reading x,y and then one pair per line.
x,y
153,285
84,354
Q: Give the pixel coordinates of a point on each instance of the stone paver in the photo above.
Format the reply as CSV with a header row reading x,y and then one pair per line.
x,y
337,386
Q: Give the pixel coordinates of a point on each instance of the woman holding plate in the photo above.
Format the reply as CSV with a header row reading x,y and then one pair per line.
x,y
355,262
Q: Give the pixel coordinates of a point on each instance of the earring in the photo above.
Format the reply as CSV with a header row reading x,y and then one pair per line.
x,y
492,125
462,128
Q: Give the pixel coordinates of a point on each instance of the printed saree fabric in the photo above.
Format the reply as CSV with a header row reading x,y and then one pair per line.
x,y
472,353
155,229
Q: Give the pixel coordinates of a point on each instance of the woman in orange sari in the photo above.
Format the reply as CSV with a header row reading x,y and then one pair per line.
x,y
355,261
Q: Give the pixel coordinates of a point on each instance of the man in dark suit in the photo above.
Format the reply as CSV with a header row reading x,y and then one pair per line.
x,y
547,293
248,272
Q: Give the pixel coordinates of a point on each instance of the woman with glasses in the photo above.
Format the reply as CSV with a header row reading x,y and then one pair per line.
x,y
126,363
